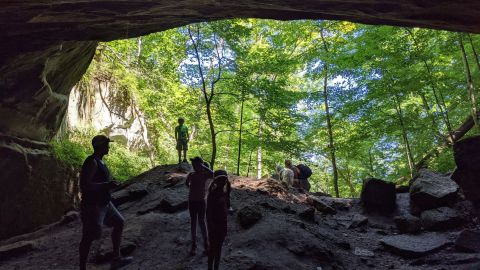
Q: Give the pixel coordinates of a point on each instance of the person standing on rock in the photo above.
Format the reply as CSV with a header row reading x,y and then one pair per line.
x,y
196,182
218,201
96,207
296,173
181,136
286,175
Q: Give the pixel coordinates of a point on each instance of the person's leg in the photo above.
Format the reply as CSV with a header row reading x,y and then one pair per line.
x,y
201,222
92,217
218,252
211,254
185,148
192,207
84,249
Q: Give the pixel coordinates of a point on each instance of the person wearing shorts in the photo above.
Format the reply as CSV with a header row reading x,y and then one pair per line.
x,y
96,207
181,136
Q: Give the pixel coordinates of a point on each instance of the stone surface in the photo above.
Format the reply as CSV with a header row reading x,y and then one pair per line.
x,y
378,196
467,174
248,216
407,223
413,246
308,214
361,252
430,190
468,241
35,188
442,218
15,249
320,205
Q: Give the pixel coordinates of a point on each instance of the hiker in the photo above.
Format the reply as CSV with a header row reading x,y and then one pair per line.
x,y
197,181
285,175
218,201
96,207
296,172
182,137
305,173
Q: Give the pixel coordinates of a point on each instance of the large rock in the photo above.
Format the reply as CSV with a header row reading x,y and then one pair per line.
x,y
467,174
248,216
407,223
16,249
430,190
35,189
468,241
413,246
321,205
442,218
378,196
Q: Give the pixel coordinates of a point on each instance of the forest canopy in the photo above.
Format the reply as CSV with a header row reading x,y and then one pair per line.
x,y
349,100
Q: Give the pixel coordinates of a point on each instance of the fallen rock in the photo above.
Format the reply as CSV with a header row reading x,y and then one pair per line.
x,y
468,241
439,219
248,216
171,207
308,214
378,196
414,246
358,220
127,195
69,217
361,252
105,254
467,158
15,249
320,205
407,223
430,190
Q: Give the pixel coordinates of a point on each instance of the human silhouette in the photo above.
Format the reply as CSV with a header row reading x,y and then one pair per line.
x,y
218,201
182,137
197,181
96,207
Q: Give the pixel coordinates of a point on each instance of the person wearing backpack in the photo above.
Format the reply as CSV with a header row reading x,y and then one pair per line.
x,y
304,173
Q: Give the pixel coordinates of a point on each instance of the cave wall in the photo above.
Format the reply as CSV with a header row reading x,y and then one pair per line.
x,y
47,46
100,104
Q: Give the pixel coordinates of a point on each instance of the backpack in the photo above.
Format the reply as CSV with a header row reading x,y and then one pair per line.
x,y
305,171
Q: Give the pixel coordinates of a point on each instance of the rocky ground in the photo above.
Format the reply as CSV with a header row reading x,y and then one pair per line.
x,y
272,228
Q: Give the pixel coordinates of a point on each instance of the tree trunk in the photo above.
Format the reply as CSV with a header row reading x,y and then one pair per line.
x,y
249,163
470,87
259,150
408,151
240,130
475,54
331,145
213,135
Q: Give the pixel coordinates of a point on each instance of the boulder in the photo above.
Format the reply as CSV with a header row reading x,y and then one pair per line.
x,y
430,190
439,219
467,174
378,196
248,216
358,220
321,205
407,223
127,195
308,214
414,246
15,249
468,241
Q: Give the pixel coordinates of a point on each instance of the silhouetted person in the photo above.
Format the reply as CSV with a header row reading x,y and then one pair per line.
x,y
96,206
218,201
197,181
296,173
181,136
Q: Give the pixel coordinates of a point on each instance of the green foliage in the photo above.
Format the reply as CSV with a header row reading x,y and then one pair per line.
x,y
394,95
76,147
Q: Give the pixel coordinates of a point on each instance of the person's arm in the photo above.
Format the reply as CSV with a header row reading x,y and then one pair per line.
x,y
187,181
87,175
208,170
